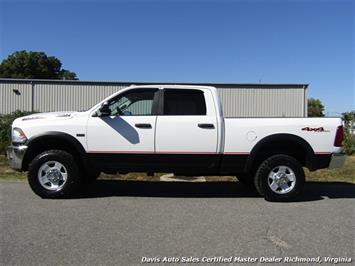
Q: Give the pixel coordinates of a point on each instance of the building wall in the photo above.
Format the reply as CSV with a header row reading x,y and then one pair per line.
x,y
237,100
10,101
58,97
263,102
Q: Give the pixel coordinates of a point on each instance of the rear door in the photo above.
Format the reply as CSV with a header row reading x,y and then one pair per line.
x,y
186,130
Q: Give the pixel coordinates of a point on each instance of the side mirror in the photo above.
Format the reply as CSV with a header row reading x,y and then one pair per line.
x,y
104,110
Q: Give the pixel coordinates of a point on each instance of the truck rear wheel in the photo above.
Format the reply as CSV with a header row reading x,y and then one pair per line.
x,y
280,178
53,174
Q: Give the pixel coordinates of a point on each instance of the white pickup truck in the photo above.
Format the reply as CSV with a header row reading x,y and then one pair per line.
x,y
175,129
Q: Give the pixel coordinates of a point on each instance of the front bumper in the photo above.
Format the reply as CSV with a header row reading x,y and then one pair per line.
x,y
337,160
14,155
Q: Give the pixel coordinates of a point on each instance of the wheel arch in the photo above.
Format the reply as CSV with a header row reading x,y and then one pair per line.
x,y
288,144
54,140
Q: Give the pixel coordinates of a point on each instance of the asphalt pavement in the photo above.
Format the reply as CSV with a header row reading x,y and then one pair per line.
x,y
128,223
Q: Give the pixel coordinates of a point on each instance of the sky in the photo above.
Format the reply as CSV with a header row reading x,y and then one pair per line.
x,y
278,41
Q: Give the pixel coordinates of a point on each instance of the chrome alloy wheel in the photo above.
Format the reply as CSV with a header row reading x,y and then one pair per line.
x,y
281,179
52,175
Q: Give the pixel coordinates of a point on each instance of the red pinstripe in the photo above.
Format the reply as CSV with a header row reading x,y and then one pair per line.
x,y
163,152
181,152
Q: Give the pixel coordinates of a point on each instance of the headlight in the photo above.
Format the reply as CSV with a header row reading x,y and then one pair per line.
x,y
18,136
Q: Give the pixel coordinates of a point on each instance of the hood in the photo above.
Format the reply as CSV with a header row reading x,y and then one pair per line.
x,y
51,116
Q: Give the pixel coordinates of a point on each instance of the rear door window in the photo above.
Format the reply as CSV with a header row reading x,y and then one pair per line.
x,y
184,102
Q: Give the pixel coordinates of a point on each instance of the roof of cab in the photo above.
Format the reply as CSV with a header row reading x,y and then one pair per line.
x,y
172,86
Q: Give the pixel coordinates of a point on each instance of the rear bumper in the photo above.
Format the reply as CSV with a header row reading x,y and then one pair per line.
x,y
337,160
328,160
14,155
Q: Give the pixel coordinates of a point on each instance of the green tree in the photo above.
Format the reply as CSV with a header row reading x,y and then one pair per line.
x,y
315,108
349,140
66,74
33,65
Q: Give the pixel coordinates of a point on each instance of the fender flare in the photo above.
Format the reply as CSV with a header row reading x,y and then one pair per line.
x,y
284,137
56,135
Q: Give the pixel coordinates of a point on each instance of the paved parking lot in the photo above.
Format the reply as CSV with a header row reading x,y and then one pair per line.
x,y
118,223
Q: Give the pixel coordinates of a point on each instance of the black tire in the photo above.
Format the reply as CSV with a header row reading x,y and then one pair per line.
x,y
261,179
73,175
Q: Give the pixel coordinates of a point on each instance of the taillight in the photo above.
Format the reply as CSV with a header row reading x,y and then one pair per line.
x,y
339,137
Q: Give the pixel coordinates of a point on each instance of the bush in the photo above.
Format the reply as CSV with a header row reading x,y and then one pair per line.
x,y
352,145
5,124
349,140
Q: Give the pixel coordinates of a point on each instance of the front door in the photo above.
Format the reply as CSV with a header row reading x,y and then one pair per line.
x,y
124,138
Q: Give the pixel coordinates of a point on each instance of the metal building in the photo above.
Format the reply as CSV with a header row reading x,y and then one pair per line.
x,y
239,100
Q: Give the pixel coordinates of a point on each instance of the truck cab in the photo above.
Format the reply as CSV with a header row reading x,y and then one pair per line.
x,y
158,128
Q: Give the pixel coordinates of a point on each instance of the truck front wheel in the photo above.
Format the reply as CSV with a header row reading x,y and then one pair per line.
x,y
53,174
280,178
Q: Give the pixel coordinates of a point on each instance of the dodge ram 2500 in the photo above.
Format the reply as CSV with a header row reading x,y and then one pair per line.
x,y
175,129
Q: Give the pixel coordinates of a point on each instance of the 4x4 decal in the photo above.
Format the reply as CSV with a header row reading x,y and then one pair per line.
x,y
315,129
